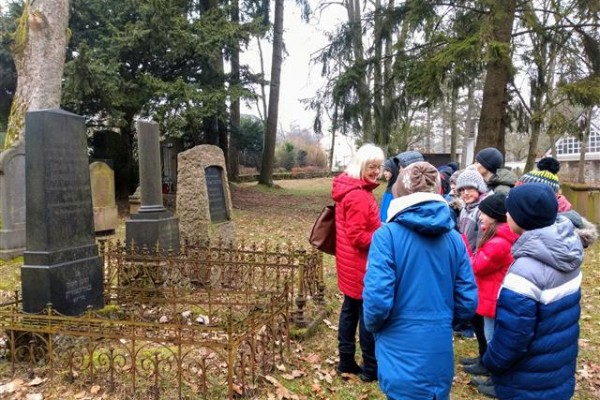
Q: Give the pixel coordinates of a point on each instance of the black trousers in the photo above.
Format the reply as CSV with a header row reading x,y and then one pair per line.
x,y
351,316
477,323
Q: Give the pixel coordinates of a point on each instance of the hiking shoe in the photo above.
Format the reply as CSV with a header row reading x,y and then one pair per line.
x,y
476,369
487,390
367,378
349,369
481,380
469,360
467,333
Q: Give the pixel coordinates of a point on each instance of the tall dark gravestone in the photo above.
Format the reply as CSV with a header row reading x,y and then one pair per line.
x,y
153,225
61,262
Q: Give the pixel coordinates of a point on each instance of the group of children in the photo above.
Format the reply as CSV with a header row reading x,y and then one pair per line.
x,y
539,241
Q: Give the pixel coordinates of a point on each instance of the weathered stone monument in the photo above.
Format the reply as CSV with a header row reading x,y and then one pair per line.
x,y
153,224
203,198
12,201
61,264
106,215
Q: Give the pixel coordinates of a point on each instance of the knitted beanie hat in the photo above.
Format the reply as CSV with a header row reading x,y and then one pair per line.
x,y
417,177
471,178
546,177
490,158
406,158
454,176
494,206
550,164
391,166
532,206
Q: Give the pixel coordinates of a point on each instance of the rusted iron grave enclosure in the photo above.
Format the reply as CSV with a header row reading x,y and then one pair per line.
x,y
203,323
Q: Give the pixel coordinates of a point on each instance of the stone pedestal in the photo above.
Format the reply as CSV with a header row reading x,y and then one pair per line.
x,y
12,201
153,226
61,263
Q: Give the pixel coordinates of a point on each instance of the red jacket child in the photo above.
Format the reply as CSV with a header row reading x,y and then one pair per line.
x,y
490,264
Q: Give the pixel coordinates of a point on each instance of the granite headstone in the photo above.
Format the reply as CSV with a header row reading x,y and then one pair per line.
x,y
61,263
203,197
106,215
153,226
12,201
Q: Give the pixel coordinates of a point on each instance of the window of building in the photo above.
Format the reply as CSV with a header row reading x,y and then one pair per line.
x,y
571,145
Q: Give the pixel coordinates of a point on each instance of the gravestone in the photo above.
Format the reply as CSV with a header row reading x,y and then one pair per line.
x,y
106,215
61,264
203,197
153,226
12,201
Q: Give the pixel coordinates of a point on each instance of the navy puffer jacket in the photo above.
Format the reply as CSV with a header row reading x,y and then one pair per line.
x,y
534,349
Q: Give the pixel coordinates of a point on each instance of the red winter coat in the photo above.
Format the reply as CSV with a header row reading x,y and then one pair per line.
x,y
490,264
356,219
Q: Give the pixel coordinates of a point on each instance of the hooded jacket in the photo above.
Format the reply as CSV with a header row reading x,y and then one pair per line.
x,y
490,264
387,195
534,349
418,280
356,219
502,181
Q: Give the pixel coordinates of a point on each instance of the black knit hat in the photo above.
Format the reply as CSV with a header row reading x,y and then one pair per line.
x,y
490,158
550,164
494,206
532,206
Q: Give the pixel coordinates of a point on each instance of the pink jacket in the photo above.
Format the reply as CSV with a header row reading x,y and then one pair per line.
x,y
490,264
356,219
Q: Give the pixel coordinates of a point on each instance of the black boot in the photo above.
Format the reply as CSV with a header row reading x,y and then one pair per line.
x,y
469,360
348,365
476,369
487,390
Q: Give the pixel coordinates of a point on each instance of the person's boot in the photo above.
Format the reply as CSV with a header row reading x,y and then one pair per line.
x,y
487,390
348,365
469,360
476,369
481,380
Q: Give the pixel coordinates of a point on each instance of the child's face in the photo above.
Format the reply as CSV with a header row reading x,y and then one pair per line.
x,y
387,174
453,188
469,194
485,220
480,168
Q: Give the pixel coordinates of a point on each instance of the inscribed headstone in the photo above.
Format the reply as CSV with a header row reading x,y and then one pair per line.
x,y
203,197
12,201
106,215
61,262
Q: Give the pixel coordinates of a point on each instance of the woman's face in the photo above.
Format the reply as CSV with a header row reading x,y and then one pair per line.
x,y
372,170
485,220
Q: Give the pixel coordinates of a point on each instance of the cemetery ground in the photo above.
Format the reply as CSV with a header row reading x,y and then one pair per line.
x,y
286,214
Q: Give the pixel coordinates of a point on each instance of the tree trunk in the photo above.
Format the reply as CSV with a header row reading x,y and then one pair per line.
x,y
233,168
378,77
363,92
453,122
268,157
39,54
583,147
492,121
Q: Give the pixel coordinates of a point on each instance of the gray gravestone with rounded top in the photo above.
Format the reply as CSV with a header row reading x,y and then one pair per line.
x,y
106,215
203,197
12,201
61,261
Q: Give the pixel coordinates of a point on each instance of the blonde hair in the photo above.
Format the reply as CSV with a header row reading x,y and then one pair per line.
x,y
368,152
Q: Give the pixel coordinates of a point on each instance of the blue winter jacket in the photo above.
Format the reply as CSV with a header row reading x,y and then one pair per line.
x,y
418,279
534,349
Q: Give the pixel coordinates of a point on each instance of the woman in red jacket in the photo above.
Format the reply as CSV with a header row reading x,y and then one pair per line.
x,y
490,263
356,219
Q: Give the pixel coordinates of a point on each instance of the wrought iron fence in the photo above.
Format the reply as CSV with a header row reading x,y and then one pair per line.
x,y
204,323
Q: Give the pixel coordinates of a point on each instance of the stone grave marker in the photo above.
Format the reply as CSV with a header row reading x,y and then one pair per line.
x,y
12,201
153,224
106,215
203,197
61,263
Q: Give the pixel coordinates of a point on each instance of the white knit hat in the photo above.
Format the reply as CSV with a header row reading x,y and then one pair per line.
x,y
471,178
